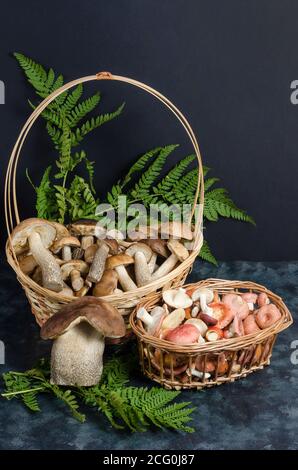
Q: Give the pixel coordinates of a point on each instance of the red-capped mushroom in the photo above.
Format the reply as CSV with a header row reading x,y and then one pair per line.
x,y
183,334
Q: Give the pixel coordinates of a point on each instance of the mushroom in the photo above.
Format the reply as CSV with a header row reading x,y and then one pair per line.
x,y
74,269
115,234
150,321
27,264
83,291
78,253
205,296
112,244
175,229
139,247
66,291
78,331
87,241
65,244
83,228
39,234
250,298
173,319
98,263
183,334
267,315
263,299
250,325
223,313
142,271
214,334
158,246
196,373
177,298
118,262
237,305
178,249
202,327
90,253
107,284
152,263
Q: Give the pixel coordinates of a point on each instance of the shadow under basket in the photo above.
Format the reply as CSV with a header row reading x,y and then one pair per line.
x,y
220,361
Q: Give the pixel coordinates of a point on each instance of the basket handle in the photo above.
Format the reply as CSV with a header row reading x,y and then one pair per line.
x,y
10,193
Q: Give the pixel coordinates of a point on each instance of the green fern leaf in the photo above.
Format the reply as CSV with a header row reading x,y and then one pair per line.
x,y
174,175
139,165
45,197
147,179
82,109
72,99
78,135
206,254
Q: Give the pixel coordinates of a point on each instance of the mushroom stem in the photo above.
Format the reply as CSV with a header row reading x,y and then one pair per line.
x,y
87,240
76,357
98,264
142,271
66,253
124,278
152,263
165,268
51,272
77,281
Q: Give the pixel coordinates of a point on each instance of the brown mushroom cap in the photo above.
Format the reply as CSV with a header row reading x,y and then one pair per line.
x,y
83,227
178,249
76,264
119,260
99,314
61,230
111,243
65,241
139,247
107,284
20,234
175,229
158,246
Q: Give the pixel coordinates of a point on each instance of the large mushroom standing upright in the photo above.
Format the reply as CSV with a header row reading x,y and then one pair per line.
x,y
79,330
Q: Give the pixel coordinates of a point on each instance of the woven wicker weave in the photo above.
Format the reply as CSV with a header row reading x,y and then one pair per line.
x,y
243,355
45,303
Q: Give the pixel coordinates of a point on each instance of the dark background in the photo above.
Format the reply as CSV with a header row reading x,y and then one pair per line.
x,y
227,65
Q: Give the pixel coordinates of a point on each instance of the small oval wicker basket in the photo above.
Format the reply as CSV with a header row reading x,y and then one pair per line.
x,y
45,303
220,361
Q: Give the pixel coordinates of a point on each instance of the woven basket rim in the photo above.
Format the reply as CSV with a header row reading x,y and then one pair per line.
x,y
225,344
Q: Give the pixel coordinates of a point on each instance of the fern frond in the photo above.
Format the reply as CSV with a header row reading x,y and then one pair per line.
x,y
206,254
147,179
35,73
72,99
218,203
139,165
78,135
81,110
174,175
61,202
45,197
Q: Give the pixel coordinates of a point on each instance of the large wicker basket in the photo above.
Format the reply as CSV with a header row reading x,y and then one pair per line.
x,y
45,303
242,355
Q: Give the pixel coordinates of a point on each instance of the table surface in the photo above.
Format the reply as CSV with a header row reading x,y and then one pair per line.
x,y
258,412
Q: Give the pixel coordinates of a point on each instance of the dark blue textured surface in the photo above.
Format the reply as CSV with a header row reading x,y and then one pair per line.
x,y
259,412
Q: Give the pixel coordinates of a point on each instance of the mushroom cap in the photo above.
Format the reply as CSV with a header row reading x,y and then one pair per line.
x,y
139,247
203,291
177,298
65,241
107,284
20,234
178,249
83,227
183,334
143,233
111,243
61,230
175,229
90,253
121,259
115,234
99,314
158,246
77,264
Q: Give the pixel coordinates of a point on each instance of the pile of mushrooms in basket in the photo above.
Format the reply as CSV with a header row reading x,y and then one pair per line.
x,y
198,315
72,261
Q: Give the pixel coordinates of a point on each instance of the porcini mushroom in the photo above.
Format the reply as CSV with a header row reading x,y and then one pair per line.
x,y
78,331
139,247
39,234
175,229
118,262
107,284
178,249
152,263
65,244
74,269
27,264
98,263
158,246
90,253
142,271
